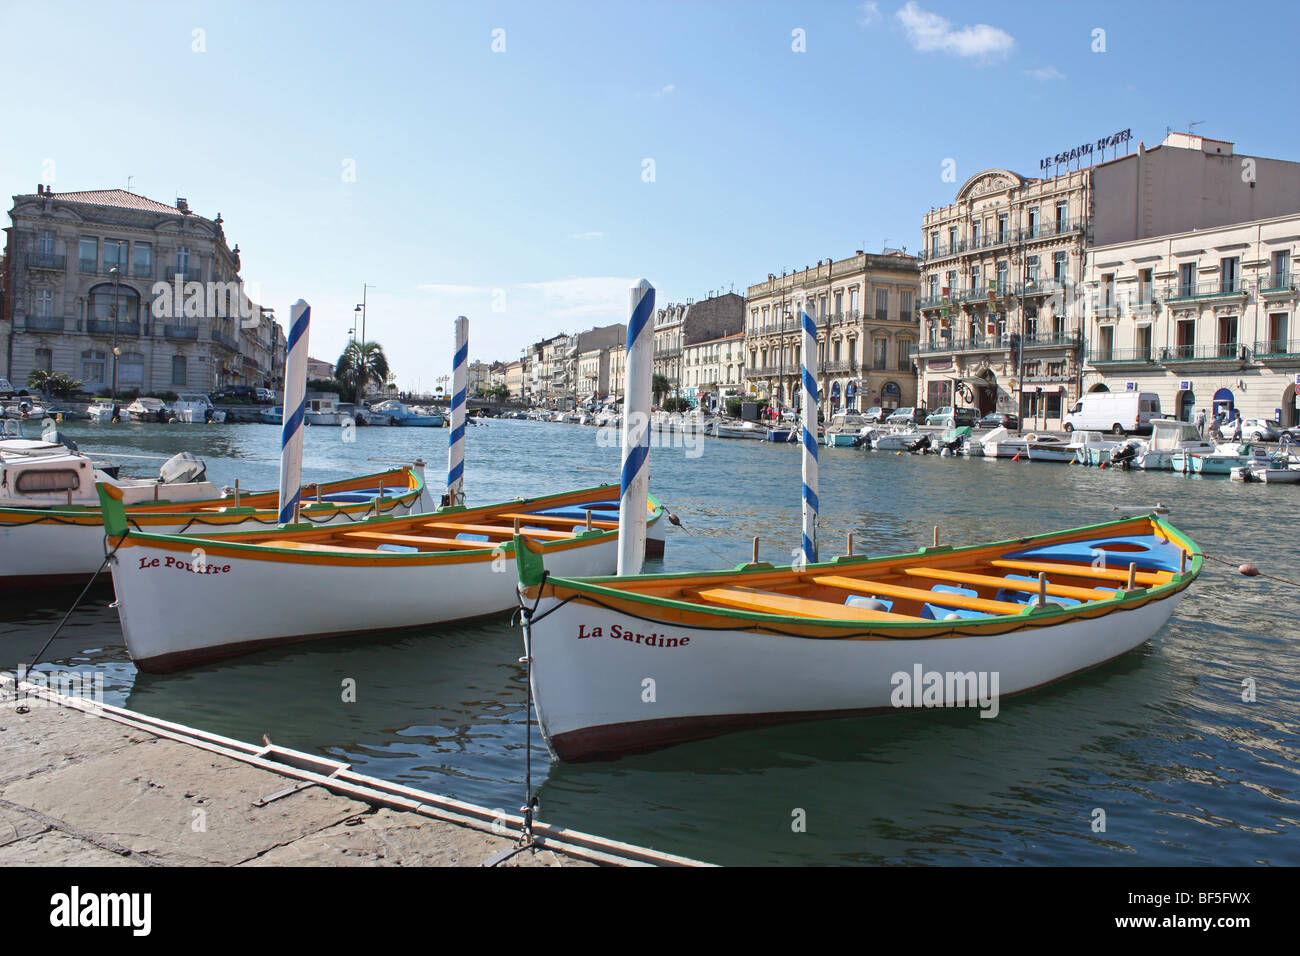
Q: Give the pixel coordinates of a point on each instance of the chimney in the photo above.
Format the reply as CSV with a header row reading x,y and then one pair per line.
x,y
40,190
182,204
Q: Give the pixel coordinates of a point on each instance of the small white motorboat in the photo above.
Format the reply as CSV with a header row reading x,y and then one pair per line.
x,y
896,441
844,429
147,409
734,429
1168,438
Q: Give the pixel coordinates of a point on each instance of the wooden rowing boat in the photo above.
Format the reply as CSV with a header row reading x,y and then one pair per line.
x,y
63,544
183,599
627,664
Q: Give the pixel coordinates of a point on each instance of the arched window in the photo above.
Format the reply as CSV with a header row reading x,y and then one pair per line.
x,y
105,302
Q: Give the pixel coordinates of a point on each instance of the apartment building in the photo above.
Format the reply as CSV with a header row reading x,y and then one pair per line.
x,y
678,325
105,285
713,369
865,310
1002,309
1205,318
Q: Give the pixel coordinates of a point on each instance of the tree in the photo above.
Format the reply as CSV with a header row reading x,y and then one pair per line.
x,y
53,383
361,364
660,387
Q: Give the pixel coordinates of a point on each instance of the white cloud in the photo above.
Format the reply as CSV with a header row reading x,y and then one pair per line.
x,y
868,13
451,291
588,235
602,298
929,33
1046,73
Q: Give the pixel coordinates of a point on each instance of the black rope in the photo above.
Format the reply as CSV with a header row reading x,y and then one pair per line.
x,y
75,604
1257,573
530,800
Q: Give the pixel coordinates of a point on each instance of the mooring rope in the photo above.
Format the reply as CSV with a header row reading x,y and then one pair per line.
x,y
676,522
1249,570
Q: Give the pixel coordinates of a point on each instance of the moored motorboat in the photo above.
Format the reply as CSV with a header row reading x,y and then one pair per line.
x,y
896,441
1221,461
183,599
735,429
53,531
758,645
1168,437
844,429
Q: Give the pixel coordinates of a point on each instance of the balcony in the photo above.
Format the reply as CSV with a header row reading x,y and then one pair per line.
x,y
44,323
190,273
108,327
1051,340
1215,289
1277,349
838,366
47,260
1281,285
182,332
986,343
221,338
1222,352
1105,356
1048,286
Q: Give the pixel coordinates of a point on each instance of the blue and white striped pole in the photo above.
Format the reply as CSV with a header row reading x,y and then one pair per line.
x,y
295,407
810,503
635,483
456,440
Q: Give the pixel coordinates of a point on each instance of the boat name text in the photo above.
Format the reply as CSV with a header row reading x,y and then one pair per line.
x,y
649,640
194,567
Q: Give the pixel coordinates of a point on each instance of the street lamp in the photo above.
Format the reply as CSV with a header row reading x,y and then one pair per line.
x,y
114,273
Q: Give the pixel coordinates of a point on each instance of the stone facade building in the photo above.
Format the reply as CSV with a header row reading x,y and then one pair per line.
x,y
106,284
713,369
1002,309
678,325
1204,318
865,310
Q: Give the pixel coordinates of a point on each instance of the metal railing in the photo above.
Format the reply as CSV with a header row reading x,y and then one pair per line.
x,y
1204,290
1223,352
1051,340
1277,348
106,327
181,331
984,343
45,323
1115,356
46,260
1283,282
222,338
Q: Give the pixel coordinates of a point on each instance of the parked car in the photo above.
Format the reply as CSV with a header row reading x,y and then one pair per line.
x,y
952,417
1257,429
265,396
1006,420
6,390
237,393
907,416
873,415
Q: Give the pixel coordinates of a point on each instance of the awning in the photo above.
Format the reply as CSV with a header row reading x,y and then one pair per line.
x,y
976,381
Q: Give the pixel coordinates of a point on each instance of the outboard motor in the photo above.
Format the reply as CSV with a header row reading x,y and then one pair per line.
x,y
921,445
1124,455
954,446
182,468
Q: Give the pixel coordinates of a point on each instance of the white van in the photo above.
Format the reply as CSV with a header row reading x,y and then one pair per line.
x,y
1118,412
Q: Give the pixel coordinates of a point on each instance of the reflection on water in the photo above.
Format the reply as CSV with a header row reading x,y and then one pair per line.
x,y
1185,771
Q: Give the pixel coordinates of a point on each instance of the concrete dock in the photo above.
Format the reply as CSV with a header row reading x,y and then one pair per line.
x,y
84,783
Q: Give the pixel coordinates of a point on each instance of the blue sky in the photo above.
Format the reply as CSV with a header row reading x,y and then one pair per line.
x,y
512,186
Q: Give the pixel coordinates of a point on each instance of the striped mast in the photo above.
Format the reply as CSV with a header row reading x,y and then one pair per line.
x,y
295,408
810,502
456,440
635,480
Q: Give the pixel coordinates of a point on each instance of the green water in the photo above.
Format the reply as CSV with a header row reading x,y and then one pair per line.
x,y
1186,772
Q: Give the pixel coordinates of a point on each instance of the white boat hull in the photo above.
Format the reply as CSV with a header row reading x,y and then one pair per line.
x,y
590,689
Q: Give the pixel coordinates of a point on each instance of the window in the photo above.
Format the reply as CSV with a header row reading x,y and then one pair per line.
x,y
952,238
184,262
904,354
975,234
45,304
44,360
882,302
130,369
115,255
1107,290
105,303
951,278
934,286
1144,287
1227,336
934,243
45,244
142,267
1058,266
839,303
1002,278
1062,218
1144,341
92,366
1187,278
905,310
1281,263
853,300
880,349
87,254
1055,369
1002,227
1031,268
1105,342
1229,274
975,279
1033,222
32,482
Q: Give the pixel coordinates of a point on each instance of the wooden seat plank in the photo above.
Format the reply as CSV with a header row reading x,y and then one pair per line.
x,y
383,537
943,598
312,546
560,522
774,602
993,581
491,529
1118,574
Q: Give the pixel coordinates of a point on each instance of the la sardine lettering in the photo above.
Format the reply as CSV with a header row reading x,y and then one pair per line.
x,y
618,632
194,567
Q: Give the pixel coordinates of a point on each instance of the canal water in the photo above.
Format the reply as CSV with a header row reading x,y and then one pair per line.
x,y
1159,746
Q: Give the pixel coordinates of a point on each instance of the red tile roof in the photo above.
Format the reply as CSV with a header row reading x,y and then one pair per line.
x,y
116,197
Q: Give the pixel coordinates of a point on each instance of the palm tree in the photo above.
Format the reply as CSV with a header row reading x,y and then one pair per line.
x,y
659,387
360,364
